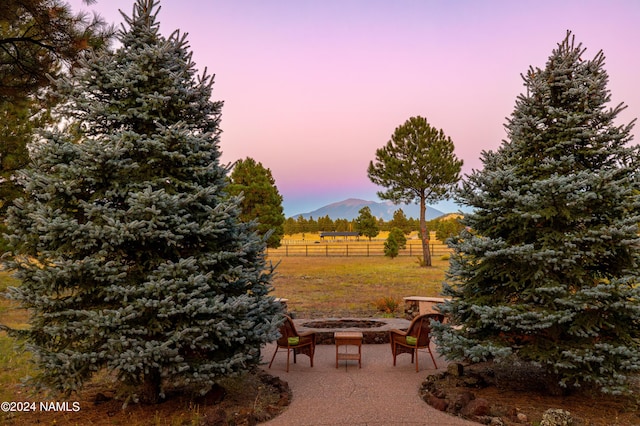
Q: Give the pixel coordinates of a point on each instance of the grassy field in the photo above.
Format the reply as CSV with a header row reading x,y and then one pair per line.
x,y
341,286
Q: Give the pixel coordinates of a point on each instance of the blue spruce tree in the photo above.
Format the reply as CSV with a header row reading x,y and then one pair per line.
x,y
130,251
547,271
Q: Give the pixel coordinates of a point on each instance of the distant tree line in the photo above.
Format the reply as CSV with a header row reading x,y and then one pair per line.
x,y
444,227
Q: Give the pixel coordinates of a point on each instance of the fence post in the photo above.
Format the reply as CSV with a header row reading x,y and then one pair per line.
x,y
326,250
347,246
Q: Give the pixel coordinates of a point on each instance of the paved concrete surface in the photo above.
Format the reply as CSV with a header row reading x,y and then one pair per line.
x,y
376,394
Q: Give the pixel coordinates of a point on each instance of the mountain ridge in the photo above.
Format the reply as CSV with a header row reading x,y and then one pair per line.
x,y
349,209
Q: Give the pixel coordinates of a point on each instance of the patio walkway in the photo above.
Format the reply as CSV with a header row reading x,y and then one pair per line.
x,y
377,394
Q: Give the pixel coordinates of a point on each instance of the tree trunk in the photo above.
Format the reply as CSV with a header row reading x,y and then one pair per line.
x,y
151,387
424,233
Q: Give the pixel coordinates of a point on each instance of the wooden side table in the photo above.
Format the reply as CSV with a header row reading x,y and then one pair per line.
x,y
348,338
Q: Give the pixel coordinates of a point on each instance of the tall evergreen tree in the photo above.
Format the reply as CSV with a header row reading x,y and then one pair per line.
x,y
261,199
366,223
38,39
290,226
548,272
446,227
130,251
395,242
417,165
303,224
343,225
16,128
400,221
325,223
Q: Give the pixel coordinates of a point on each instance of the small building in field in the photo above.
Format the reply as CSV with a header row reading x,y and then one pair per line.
x,y
343,234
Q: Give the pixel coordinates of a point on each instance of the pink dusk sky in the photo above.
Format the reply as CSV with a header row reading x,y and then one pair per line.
x,y
312,88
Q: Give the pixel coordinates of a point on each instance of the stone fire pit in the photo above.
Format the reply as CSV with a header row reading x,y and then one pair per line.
x,y
373,330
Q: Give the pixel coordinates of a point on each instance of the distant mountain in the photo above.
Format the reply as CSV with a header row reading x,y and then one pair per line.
x,y
348,209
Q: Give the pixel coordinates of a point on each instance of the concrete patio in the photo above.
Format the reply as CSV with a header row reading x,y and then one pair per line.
x,y
376,394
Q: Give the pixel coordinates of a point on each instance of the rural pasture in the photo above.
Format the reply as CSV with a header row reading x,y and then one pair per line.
x,y
312,245
341,286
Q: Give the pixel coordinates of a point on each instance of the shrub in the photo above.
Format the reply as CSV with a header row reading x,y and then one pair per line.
x,y
388,304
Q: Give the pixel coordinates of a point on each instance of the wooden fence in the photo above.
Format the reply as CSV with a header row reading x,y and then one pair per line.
x,y
352,249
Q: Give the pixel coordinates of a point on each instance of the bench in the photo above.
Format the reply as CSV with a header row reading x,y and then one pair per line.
x,y
419,305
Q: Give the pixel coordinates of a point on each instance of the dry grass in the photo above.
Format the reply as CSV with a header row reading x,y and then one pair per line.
x,y
350,286
14,363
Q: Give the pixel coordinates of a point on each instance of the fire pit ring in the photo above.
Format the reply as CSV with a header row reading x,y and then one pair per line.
x,y
344,323
374,330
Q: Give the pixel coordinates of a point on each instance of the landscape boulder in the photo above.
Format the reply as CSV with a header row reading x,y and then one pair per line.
x,y
476,408
556,417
